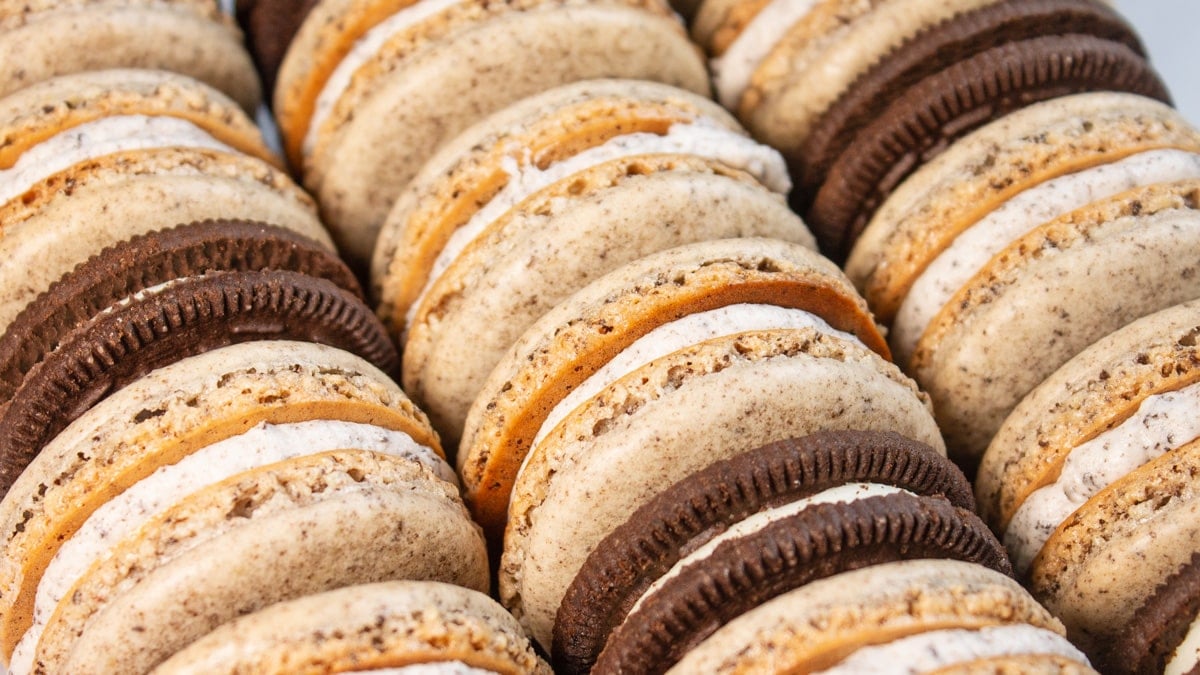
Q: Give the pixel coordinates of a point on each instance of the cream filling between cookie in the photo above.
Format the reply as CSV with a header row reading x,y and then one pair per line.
x,y
680,334
733,70
365,47
1162,423
926,652
439,668
90,140
971,251
1186,656
699,138
261,446
842,494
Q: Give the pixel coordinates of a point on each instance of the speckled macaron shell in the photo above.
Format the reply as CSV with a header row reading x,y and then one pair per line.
x,y
556,242
165,416
671,418
718,23
1040,301
819,624
201,563
469,171
575,339
43,39
984,169
441,86
1148,522
1095,391
364,627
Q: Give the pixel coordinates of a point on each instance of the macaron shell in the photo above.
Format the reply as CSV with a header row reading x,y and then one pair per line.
x,y
1095,391
373,626
140,192
1043,294
981,171
817,625
262,563
359,168
553,244
101,35
573,340
717,23
167,415
1149,521
671,418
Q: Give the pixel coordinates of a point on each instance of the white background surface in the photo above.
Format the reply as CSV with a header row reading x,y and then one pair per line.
x,y
1171,31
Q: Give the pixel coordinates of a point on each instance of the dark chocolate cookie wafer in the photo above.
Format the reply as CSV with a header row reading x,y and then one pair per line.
x,y
817,542
145,261
270,26
930,115
175,321
1150,640
686,516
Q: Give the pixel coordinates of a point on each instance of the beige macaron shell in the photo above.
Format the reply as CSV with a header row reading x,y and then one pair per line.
x,y
719,22
980,172
54,227
360,167
556,242
370,626
467,172
429,536
1095,391
819,624
1148,521
40,111
671,418
181,37
576,338
165,416
1047,297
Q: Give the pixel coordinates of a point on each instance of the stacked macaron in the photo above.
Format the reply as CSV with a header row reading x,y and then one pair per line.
x,y
215,486
1025,242
857,95
369,89
536,201
1092,484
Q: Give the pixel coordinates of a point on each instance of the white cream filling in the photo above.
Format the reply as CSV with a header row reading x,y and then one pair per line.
x,y
123,515
680,334
732,70
438,668
973,249
525,178
1187,654
1162,423
120,133
843,494
926,652
360,53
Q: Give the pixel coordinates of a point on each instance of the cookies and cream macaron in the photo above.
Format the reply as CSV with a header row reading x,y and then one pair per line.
x,y
985,261
711,381
217,485
1090,480
369,89
405,627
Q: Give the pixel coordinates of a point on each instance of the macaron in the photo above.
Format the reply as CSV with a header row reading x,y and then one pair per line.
x,y
148,150
369,90
858,95
215,486
1010,228
1089,480
630,317
399,626
42,40
533,204
705,385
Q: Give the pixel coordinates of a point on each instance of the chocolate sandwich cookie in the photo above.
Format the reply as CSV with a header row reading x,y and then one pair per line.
x,y
193,481
395,627
433,69
270,26
1161,637
692,514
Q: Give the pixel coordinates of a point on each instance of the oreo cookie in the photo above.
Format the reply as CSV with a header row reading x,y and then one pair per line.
x,y
1150,642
